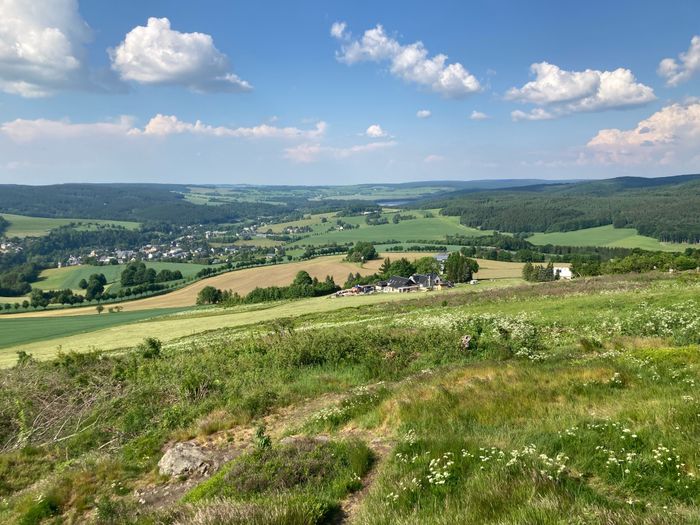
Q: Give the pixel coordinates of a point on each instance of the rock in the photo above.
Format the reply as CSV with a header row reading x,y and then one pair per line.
x,y
298,439
184,459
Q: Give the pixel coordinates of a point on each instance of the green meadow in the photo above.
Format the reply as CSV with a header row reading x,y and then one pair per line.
x,y
419,229
25,226
69,277
605,236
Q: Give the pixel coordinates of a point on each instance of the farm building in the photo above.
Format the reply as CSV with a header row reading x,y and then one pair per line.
x,y
563,272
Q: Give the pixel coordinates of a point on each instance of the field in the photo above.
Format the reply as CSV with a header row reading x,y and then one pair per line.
x,y
24,226
568,402
605,236
69,277
419,229
244,281
109,332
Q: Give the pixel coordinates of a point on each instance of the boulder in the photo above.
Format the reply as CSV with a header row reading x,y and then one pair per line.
x,y
184,459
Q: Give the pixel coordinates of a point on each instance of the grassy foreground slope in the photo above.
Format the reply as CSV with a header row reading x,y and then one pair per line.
x,y
567,402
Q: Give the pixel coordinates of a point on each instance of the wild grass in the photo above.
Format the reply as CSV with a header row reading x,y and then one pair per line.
x,y
565,404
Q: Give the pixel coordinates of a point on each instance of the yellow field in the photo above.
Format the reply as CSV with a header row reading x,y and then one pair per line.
x,y
177,326
243,281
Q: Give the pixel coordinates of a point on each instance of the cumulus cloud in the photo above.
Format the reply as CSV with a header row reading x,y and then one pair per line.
x,y
41,46
423,113
22,130
670,134
409,62
564,92
313,152
157,54
478,115
677,71
375,131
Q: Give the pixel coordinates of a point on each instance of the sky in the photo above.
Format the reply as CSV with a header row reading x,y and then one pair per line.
x,y
330,92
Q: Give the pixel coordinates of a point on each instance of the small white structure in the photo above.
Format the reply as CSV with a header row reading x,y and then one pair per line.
x,y
563,272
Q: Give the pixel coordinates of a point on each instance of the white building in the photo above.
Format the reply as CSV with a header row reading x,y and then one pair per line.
x,y
563,272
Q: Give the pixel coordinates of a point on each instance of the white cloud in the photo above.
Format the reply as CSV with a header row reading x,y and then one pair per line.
x,y
157,54
312,152
677,71
423,113
21,130
564,92
431,159
478,115
409,62
338,30
41,46
535,114
375,131
670,134
162,125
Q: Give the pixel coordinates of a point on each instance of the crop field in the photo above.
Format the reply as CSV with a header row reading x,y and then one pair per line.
x,y
18,331
605,236
24,226
69,277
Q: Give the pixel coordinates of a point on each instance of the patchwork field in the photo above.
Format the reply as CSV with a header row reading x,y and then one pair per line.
x,y
25,226
605,236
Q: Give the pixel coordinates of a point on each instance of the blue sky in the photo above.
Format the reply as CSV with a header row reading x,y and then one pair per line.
x,y
330,92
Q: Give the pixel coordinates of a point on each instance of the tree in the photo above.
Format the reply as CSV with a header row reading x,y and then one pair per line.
x,y
385,267
459,268
528,271
209,295
82,284
361,252
303,279
37,299
95,288
403,267
427,265
99,309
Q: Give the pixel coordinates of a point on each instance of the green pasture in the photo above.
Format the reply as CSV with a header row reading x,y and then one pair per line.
x,y
605,236
69,277
25,226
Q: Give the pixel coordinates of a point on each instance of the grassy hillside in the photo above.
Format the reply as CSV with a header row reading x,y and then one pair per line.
x,y
24,226
568,402
605,236
660,208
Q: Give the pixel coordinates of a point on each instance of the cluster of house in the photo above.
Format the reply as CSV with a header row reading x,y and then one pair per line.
x,y
415,283
9,247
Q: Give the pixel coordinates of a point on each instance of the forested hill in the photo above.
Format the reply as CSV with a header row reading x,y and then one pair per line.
x,y
666,208
136,202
